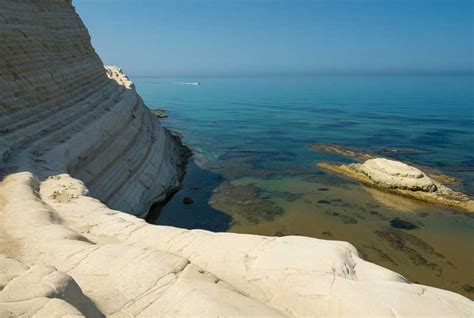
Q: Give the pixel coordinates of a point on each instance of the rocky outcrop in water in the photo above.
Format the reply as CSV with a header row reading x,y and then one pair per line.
x,y
75,136
400,178
392,153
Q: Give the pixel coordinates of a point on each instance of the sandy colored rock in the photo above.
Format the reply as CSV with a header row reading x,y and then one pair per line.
x,y
9,269
77,144
41,291
126,266
397,175
399,178
362,156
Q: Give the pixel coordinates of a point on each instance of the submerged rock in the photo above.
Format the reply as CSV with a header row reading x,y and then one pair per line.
x,y
160,113
327,235
342,151
418,251
403,150
80,141
246,201
402,224
468,288
188,200
381,255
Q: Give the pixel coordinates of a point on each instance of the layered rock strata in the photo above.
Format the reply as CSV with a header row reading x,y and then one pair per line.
x,y
75,136
62,112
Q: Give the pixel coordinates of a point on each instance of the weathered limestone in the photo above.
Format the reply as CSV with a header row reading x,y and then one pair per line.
x,y
397,175
400,178
41,291
74,136
61,112
362,156
128,267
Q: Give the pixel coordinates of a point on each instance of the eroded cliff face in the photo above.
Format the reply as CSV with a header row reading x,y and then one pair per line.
x,y
73,137
61,111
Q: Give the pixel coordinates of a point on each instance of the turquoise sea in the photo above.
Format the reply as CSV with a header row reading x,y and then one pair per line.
x,y
253,171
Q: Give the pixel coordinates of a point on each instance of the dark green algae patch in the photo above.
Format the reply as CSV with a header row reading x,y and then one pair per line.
x,y
402,224
247,203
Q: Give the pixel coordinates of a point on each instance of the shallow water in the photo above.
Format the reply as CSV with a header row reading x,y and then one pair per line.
x,y
254,173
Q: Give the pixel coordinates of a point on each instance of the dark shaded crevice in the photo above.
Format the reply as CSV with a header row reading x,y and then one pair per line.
x,y
199,185
185,157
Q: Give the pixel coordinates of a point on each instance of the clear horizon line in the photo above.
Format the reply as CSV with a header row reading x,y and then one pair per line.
x,y
311,74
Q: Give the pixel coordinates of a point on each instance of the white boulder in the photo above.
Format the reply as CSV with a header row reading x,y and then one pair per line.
x,y
396,174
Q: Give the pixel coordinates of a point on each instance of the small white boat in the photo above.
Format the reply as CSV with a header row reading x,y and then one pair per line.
x,y
191,83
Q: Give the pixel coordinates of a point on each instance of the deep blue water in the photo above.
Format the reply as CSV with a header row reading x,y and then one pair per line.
x,y
284,115
253,172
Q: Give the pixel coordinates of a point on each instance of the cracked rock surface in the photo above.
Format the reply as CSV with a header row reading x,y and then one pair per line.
x,y
76,143
119,265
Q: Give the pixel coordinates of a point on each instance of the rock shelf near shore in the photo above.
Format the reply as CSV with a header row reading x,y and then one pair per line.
x,y
389,152
81,157
400,178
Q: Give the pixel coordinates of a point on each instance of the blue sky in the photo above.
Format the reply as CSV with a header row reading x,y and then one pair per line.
x,y
266,37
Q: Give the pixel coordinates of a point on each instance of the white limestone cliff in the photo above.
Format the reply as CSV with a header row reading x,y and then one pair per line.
x,y
61,112
77,144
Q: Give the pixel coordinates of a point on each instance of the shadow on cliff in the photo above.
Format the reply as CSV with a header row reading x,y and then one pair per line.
x,y
198,185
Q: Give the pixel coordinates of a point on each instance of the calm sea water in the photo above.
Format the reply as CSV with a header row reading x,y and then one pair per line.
x,y
254,173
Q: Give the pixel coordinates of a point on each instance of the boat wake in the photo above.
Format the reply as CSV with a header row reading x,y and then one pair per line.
x,y
190,83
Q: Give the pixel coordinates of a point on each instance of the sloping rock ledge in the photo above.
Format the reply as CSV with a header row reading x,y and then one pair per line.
x,y
97,261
